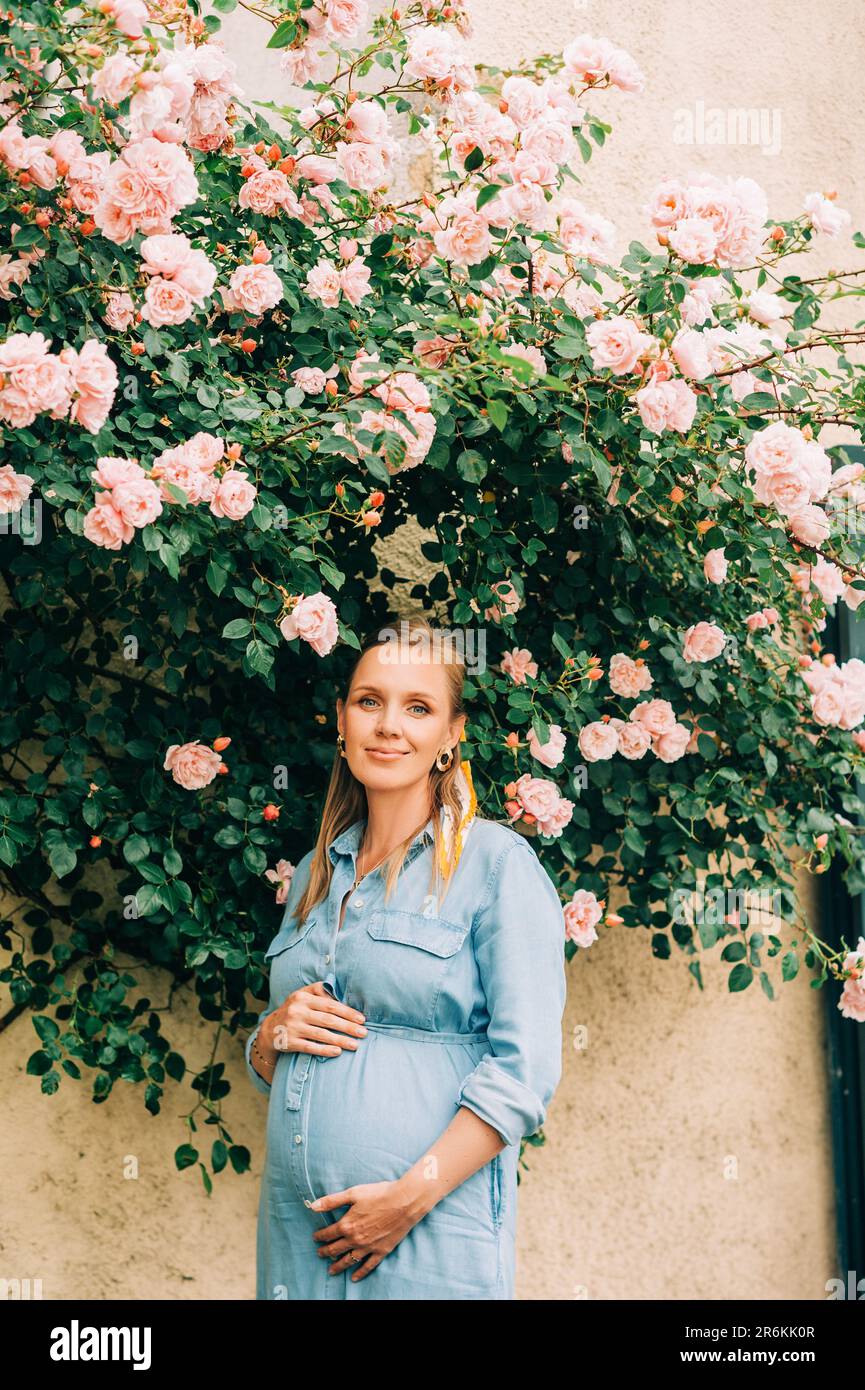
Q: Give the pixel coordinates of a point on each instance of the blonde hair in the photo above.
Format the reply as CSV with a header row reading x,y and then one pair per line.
x,y
346,802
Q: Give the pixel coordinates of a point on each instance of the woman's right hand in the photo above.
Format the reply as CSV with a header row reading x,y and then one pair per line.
x,y
311,1020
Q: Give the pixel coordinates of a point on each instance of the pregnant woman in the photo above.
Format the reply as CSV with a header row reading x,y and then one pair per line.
x,y
413,1034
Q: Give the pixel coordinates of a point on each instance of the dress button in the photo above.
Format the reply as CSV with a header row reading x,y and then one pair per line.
x,y
327,960
298,1139
357,902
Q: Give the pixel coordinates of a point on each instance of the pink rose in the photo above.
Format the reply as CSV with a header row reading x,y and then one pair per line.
x,y
166,303
345,17
436,55
556,819
466,239
197,276
824,216
119,310
532,355
703,642
828,579
137,501
827,706
282,874
111,471
852,1000
584,233
15,488
255,288
130,16
695,240
363,166
552,752
582,915
715,566
525,100
96,380
616,344
192,765
354,280
628,678
776,449
594,60
323,283
103,525
205,450
367,121
668,203
666,405
670,746
266,192
809,524
115,79
540,798
234,497
165,253
633,739
310,380
314,618
403,391
691,353
656,715
598,741
518,664
435,352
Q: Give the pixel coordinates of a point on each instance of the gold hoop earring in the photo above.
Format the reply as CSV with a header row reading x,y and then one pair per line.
x,y
450,758
340,743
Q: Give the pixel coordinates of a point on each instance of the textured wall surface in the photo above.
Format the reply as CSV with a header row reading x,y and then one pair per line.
x,y
688,1147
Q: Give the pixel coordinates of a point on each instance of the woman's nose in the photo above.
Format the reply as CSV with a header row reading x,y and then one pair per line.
x,y
388,722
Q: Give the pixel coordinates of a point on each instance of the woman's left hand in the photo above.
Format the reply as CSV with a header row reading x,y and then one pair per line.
x,y
381,1214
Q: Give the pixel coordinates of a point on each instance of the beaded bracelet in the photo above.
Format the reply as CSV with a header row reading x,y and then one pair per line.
x,y
256,1048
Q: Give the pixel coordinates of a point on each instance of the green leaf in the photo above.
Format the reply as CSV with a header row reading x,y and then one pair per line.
x,y
487,193
471,466
740,978
135,849
283,35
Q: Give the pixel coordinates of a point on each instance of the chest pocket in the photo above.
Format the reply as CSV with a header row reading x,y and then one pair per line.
x,y
409,958
286,955
290,935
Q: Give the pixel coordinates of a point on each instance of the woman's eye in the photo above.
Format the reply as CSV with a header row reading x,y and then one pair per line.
x,y
366,697
423,708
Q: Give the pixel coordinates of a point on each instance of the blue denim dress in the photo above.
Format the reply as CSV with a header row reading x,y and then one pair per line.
x,y
463,1006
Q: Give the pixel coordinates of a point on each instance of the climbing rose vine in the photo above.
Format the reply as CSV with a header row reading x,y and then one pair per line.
x,y
236,355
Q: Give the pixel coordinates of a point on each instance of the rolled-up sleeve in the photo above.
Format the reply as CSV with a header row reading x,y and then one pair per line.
x,y
299,880
519,939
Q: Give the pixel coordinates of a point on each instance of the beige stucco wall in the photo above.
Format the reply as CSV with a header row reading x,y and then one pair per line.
x,y
688,1148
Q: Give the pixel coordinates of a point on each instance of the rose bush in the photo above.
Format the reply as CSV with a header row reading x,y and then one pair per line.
x,y
234,360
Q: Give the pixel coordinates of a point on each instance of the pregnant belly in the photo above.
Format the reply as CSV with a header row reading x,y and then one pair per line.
x,y
369,1115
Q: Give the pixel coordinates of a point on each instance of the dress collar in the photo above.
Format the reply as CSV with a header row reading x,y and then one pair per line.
x,y
348,841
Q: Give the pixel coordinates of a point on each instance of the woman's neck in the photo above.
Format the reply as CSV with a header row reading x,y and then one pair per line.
x,y
389,821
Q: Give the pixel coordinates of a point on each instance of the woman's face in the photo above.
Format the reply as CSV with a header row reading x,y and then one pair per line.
x,y
397,717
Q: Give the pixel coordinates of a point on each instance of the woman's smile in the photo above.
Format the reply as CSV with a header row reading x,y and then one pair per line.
x,y
385,754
